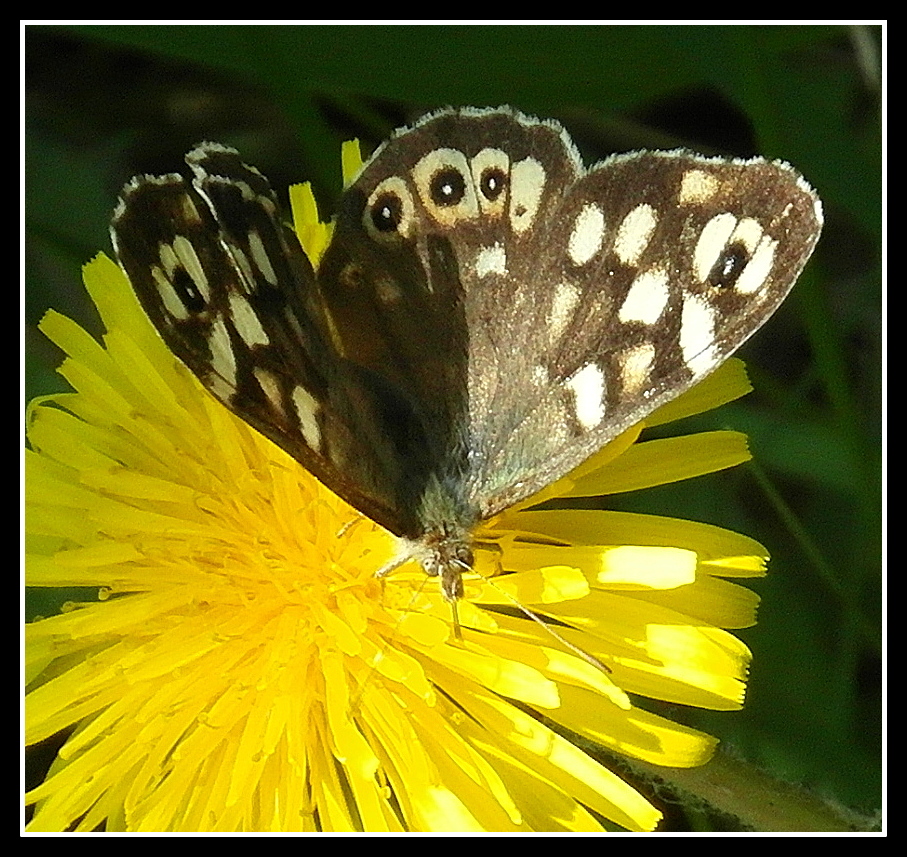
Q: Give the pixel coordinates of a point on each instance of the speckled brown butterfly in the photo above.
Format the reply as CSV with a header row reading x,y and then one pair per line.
x,y
488,314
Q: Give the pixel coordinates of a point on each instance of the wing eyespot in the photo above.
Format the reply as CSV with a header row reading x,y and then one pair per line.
x,y
730,265
386,213
492,183
389,211
447,187
188,292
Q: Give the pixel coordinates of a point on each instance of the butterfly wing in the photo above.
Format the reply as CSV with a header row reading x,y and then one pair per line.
x,y
487,315
655,267
233,295
530,311
415,286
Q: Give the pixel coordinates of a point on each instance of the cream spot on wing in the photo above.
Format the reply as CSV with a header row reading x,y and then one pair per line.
x,y
247,280
260,257
246,322
647,298
755,274
748,232
169,298
307,407
563,306
712,242
634,234
527,182
190,212
168,259
635,365
587,234
270,387
697,335
185,252
292,322
588,388
491,260
697,187
220,388
245,190
223,361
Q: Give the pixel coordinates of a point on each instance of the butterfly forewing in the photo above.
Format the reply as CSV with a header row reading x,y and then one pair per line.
x,y
488,313
231,292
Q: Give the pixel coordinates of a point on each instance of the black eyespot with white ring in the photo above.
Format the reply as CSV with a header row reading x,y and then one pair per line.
x,y
446,186
492,183
491,174
730,265
188,291
181,279
734,253
388,214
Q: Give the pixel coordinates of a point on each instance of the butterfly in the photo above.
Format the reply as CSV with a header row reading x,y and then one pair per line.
x,y
488,314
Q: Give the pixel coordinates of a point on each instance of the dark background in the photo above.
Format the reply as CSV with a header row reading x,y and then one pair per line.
x,y
103,103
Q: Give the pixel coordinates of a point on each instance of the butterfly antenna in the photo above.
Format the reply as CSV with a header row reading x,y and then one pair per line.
x,y
454,611
455,618
589,659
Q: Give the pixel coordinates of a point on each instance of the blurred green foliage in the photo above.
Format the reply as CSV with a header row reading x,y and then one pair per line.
x,y
105,102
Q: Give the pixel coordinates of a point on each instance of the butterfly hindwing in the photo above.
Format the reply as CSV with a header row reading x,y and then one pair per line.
x,y
654,269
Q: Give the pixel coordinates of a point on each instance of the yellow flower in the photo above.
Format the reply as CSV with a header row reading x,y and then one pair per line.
x,y
243,669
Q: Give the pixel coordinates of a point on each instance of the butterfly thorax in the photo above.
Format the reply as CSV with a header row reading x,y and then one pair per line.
x,y
444,548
